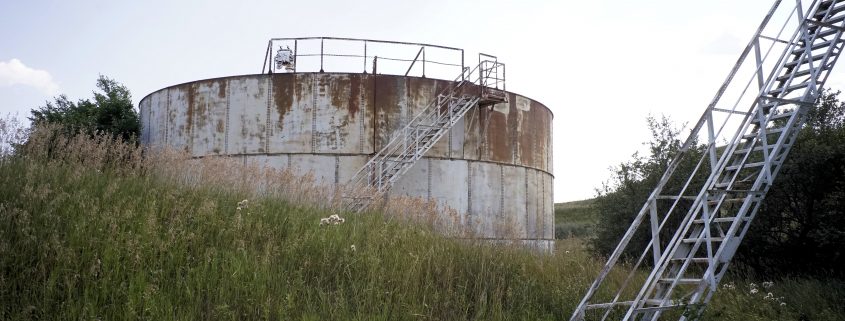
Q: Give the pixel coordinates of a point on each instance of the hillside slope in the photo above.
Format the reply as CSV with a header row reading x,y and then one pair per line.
x,y
81,240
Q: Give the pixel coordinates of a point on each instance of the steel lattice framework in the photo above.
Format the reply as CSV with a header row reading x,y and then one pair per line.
x,y
420,134
695,229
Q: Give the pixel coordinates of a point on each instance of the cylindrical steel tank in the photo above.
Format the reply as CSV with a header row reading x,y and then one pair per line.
x,y
493,167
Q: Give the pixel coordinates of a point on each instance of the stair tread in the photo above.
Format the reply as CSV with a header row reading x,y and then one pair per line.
x,y
681,280
714,238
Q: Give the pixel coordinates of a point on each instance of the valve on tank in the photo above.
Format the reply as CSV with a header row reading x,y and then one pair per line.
x,y
284,59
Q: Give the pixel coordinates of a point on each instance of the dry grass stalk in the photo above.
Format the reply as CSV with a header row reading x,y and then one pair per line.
x,y
232,174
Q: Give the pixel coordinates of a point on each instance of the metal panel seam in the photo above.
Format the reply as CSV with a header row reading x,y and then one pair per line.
x,y
501,193
314,94
469,195
167,120
361,116
268,131
428,180
542,233
525,176
336,170
226,130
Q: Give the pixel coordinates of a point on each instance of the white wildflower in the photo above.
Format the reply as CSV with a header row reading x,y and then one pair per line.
x,y
243,204
352,247
768,284
729,286
334,219
769,296
754,291
783,304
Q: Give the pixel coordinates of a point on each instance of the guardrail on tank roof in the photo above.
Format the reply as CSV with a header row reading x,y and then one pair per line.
x,y
333,54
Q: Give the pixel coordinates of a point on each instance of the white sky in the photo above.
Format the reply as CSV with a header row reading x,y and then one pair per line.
x,y
601,66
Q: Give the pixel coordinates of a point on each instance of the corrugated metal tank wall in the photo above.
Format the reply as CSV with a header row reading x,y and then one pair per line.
x,y
494,167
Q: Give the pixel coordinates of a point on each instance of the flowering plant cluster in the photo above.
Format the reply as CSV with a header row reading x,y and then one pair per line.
x,y
243,204
334,219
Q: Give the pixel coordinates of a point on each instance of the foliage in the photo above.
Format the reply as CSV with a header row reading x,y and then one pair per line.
x,y
621,198
800,227
84,236
111,111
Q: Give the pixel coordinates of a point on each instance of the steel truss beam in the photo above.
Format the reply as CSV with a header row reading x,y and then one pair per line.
x,y
694,230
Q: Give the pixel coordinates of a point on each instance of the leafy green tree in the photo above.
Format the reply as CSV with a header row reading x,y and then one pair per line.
x,y
623,195
111,111
800,227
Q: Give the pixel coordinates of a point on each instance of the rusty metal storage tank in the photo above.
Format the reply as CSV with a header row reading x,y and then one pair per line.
x,y
493,166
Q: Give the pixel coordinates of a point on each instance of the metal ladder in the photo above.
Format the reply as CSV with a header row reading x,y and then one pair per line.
x,y
720,197
410,143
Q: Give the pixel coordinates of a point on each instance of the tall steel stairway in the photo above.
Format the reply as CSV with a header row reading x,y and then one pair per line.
x,y
688,253
410,143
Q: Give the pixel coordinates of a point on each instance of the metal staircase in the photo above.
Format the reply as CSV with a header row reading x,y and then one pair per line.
x,y
694,230
420,134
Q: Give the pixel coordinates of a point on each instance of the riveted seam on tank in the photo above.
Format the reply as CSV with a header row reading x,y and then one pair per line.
x,y
149,121
428,179
552,197
226,130
336,170
525,179
449,143
268,130
501,193
543,207
167,120
469,196
361,116
314,94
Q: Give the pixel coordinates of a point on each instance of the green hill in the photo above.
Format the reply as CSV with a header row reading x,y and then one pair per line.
x,y
574,219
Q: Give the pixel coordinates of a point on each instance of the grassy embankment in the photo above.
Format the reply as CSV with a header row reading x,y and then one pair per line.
x,y
101,237
574,219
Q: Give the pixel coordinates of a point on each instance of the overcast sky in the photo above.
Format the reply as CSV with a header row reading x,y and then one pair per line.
x,y
601,66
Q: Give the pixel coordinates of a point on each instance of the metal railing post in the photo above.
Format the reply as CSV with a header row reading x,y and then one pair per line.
x,y
423,61
321,54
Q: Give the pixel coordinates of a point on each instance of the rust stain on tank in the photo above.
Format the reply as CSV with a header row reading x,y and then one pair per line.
x,y
283,94
338,87
543,136
471,148
498,143
388,110
221,89
514,129
199,100
528,137
354,95
188,90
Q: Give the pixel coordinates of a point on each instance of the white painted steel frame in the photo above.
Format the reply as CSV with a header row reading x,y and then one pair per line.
x,y
688,267
376,177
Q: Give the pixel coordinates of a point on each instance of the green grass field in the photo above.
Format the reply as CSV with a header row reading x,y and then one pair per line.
x,y
81,241
574,219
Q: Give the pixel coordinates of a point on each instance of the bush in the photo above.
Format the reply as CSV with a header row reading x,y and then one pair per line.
x,y
110,112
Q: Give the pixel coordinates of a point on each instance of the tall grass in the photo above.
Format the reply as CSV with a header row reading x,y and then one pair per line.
x,y
93,229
